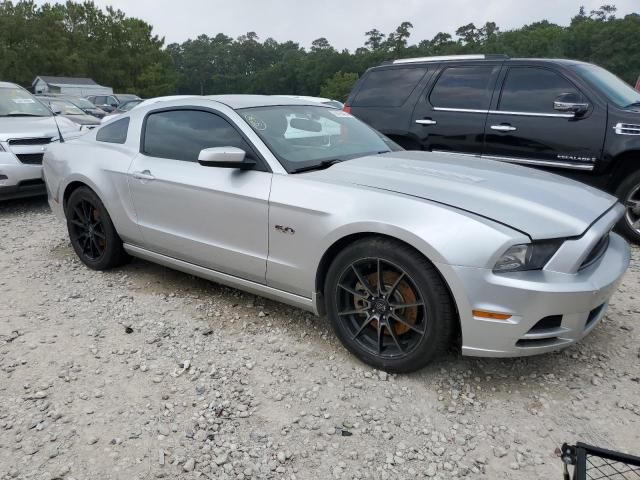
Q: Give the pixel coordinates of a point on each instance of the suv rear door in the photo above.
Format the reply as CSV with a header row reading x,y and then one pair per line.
x,y
523,127
385,96
451,113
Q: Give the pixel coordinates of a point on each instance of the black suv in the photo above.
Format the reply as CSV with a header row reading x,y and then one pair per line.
x,y
570,117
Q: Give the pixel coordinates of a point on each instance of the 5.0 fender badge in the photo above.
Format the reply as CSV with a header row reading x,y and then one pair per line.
x,y
286,230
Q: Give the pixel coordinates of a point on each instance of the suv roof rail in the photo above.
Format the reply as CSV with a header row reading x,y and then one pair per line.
x,y
442,58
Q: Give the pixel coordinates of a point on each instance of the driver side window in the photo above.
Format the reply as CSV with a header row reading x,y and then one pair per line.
x,y
182,134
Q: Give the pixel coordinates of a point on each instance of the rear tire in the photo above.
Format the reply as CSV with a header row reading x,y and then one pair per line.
x,y
91,231
388,305
629,194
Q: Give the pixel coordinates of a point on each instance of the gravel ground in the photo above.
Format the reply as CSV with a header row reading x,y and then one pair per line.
x,y
144,372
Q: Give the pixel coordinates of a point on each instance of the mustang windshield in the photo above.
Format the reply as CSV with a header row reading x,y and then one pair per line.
x,y
302,137
15,102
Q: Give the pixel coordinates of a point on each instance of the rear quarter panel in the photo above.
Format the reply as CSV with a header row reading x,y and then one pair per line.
x,y
103,167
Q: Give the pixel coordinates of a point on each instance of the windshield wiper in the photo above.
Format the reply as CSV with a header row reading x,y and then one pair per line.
x,y
318,166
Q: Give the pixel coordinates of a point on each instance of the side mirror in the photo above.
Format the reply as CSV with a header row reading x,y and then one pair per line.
x,y
225,157
570,103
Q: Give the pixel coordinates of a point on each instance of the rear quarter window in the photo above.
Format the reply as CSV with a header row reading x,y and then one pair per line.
x,y
388,87
114,132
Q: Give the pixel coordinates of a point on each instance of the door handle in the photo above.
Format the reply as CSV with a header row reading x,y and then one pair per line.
x,y
426,121
503,128
144,175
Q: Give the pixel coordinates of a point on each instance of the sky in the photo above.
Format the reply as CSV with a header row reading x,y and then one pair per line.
x,y
344,22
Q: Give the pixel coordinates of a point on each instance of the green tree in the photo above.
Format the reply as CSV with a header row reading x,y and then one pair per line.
x,y
339,86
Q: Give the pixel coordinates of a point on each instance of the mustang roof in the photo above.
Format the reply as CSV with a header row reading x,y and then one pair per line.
x,y
247,101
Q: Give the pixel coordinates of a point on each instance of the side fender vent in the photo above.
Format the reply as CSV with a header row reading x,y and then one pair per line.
x,y
627,129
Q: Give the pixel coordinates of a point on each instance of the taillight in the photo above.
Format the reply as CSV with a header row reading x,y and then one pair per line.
x,y
347,108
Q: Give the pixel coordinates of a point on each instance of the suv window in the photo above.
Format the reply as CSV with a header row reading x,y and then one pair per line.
x,y
463,87
114,132
532,89
100,100
181,134
389,87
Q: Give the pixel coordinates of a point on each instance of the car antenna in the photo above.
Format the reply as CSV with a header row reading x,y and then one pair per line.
x,y
58,128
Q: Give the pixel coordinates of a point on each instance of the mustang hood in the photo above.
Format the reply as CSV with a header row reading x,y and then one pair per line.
x,y
537,203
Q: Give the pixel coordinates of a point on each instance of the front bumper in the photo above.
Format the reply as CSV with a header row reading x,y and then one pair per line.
x,y
18,179
571,304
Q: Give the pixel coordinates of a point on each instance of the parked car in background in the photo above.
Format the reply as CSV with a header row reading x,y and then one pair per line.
x,y
82,103
402,250
569,117
26,128
65,108
109,103
123,108
323,101
86,106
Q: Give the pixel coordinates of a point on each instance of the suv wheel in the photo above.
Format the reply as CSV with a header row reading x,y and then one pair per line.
x,y
388,305
92,234
629,194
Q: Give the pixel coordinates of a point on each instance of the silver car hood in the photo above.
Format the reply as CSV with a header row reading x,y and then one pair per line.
x,y
534,202
35,127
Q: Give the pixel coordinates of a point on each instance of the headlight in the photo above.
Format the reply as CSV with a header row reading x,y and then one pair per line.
x,y
530,256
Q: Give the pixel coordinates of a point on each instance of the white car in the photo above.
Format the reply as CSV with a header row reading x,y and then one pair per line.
x,y
27,127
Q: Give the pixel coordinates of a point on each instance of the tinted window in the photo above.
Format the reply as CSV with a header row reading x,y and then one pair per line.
x,y
533,90
114,132
388,88
182,134
463,87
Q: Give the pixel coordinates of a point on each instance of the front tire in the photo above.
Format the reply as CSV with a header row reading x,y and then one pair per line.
x,y
388,305
629,194
91,231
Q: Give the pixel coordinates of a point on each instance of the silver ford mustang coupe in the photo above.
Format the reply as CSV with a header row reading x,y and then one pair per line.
x,y
407,253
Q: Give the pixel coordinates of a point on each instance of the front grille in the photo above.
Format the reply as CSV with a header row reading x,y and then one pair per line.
x,y
537,342
31,158
594,315
596,252
547,323
31,183
19,142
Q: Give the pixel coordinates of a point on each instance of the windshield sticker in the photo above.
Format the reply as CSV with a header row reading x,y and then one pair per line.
x,y
255,122
24,100
340,114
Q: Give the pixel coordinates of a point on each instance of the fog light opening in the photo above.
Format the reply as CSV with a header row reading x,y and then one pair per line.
x,y
491,315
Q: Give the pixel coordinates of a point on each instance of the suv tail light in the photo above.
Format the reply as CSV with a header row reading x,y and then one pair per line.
x,y
347,108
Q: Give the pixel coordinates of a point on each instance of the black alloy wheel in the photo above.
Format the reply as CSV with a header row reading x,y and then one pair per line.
x,y
91,231
388,305
88,230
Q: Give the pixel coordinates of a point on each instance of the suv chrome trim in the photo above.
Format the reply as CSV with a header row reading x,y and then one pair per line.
x,y
442,58
543,163
463,110
627,129
533,114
